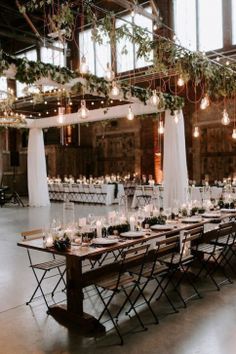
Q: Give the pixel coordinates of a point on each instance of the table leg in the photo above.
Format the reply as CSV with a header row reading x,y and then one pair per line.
x,y
72,314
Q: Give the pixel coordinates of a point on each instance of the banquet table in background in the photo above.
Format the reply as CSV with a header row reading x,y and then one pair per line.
x,y
86,193
146,194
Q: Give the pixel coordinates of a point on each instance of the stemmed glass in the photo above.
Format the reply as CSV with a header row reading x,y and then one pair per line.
x,y
106,224
167,212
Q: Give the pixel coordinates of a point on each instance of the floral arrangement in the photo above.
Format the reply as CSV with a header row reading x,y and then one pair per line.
x,y
118,228
154,220
226,205
62,243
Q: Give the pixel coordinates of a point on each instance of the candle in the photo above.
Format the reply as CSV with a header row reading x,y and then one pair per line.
x,y
99,228
49,240
132,223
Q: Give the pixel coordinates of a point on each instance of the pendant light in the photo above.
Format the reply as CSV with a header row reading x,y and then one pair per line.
x,y
180,81
83,111
115,89
83,66
161,128
155,100
109,74
205,102
225,120
196,132
130,115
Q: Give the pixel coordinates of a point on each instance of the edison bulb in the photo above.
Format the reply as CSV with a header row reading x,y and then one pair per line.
x,y
83,111
176,117
130,115
234,133
155,99
161,128
196,132
205,102
180,81
115,90
225,118
83,65
109,74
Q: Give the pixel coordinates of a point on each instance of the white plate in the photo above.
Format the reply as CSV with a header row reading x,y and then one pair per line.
x,y
191,220
228,210
104,241
162,227
132,234
211,215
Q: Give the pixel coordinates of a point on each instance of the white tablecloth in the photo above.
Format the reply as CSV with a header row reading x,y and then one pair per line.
x,y
85,193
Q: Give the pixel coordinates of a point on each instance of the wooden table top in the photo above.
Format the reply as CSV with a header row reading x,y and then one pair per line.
x,y
84,252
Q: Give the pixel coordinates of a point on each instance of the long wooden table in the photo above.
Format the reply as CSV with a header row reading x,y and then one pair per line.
x,y
77,279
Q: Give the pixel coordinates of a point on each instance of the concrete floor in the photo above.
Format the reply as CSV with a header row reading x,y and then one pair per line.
x,y
207,326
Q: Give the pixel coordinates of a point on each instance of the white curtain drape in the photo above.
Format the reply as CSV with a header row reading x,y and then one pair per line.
x,y
37,175
175,173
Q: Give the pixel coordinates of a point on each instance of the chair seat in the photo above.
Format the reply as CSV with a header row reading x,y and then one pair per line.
x,y
110,282
207,248
224,240
148,270
175,259
49,264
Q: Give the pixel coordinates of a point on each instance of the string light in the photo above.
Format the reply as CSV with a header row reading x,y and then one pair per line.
x,y
196,132
115,90
161,128
109,74
154,98
234,133
130,115
83,65
180,81
225,120
205,102
155,27
83,111
176,117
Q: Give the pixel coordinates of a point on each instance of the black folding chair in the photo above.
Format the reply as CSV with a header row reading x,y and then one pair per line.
x,y
44,267
211,255
226,237
122,282
180,260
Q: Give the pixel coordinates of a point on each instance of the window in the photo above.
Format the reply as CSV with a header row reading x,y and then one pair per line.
x,y
53,56
126,62
30,55
198,24
233,22
97,55
210,26
3,84
87,49
185,23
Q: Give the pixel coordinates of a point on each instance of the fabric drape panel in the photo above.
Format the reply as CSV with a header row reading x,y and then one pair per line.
x,y
37,174
175,173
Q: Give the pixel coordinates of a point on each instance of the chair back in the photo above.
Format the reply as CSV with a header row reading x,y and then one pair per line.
x,y
31,235
168,245
187,238
226,229
137,254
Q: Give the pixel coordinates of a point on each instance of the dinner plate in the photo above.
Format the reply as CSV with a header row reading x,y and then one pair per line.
x,y
211,215
162,227
224,210
132,234
104,241
191,220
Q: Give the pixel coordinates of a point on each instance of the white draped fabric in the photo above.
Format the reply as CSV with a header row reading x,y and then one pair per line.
x,y
37,175
175,173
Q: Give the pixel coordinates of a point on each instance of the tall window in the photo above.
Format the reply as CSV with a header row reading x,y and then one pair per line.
x,y
126,62
97,55
198,24
30,55
52,55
